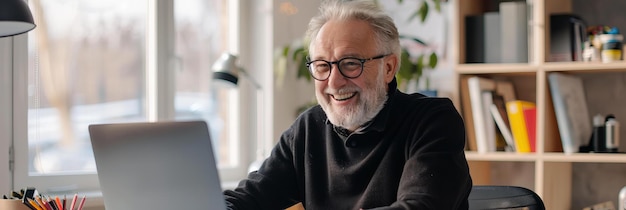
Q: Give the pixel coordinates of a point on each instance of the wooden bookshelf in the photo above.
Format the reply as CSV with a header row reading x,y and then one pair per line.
x,y
548,171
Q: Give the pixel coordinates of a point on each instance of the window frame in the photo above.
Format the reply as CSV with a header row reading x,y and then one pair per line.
x,y
157,64
6,108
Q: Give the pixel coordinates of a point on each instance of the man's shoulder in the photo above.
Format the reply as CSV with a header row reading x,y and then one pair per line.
x,y
314,115
418,107
416,100
313,112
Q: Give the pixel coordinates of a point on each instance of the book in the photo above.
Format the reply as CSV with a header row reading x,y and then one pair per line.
x,y
570,107
490,140
506,90
498,111
515,111
482,34
567,33
514,31
468,116
477,94
530,119
480,93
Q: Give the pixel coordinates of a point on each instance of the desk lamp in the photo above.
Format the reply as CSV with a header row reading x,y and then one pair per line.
x,y
15,18
225,69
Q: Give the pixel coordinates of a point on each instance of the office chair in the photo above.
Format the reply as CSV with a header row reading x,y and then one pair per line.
x,y
486,197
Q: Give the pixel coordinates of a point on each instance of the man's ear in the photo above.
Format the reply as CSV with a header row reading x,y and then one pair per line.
x,y
391,66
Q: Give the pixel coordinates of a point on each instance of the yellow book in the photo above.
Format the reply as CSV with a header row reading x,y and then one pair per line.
x,y
515,111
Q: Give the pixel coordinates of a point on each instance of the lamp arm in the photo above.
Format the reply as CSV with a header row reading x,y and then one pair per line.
x,y
254,82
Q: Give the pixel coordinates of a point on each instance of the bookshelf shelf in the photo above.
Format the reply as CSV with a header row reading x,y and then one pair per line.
x,y
584,157
585,67
547,157
553,174
495,68
500,156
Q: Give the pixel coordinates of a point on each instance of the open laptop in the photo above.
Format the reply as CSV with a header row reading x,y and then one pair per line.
x,y
156,165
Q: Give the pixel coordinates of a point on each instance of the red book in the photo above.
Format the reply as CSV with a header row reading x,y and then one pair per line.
x,y
530,118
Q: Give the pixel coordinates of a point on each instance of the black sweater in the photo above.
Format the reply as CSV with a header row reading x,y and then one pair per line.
x,y
410,157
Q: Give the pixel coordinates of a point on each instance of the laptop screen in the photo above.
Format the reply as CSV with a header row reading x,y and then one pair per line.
x,y
156,165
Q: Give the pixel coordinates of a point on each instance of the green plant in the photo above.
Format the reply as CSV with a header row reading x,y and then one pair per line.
x,y
413,68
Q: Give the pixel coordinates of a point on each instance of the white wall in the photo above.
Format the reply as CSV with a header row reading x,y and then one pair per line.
x,y
291,93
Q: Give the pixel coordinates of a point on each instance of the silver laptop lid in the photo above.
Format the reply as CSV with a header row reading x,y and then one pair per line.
x,y
156,165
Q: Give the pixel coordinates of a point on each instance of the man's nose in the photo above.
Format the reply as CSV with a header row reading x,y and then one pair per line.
x,y
336,79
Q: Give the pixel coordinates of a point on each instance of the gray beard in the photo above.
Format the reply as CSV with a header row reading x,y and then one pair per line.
x,y
369,105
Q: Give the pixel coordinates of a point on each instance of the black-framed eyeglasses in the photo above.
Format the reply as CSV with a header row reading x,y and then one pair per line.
x,y
349,67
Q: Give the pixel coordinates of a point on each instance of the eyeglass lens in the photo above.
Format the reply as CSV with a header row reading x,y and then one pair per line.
x,y
349,67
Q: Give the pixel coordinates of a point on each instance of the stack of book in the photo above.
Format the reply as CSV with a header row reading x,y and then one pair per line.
x,y
499,36
492,111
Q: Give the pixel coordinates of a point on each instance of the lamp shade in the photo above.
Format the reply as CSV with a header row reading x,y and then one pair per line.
x,y
225,68
15,18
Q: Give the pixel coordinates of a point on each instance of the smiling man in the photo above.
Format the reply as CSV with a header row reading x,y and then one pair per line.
x,y
367,145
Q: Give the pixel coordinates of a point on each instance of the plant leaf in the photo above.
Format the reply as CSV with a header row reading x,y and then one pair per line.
x,y
406,68
299,53
415,39
419,67
280,62
437,5
432,60
423,11
285,52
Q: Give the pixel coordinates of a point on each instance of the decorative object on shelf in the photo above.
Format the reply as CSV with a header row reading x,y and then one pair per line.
x,y
605,136
612,134
611,46
567,34
15,18
604,43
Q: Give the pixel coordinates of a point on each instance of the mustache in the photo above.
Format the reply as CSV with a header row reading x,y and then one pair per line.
x,y
342,90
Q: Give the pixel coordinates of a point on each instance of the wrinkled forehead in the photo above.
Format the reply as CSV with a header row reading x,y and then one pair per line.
x,y
340,38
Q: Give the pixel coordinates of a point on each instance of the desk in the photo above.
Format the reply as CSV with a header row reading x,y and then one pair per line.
x,y
298,206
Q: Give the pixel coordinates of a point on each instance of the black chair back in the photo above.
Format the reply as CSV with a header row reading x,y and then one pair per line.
x,y
485,197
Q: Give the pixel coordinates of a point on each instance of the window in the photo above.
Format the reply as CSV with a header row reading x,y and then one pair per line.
x,y
110,61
